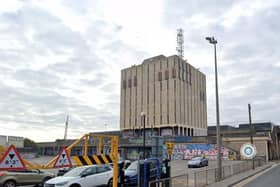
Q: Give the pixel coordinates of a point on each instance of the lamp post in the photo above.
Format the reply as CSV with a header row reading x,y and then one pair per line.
x,y
144,134
213,41
251,132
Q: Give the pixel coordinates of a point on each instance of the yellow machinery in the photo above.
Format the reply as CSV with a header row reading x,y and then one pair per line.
x,y
100,158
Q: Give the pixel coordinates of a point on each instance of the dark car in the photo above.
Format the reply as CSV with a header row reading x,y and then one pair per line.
x,y
197,162
131,176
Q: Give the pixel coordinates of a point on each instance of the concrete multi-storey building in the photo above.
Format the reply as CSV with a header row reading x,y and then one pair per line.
x,y
167,95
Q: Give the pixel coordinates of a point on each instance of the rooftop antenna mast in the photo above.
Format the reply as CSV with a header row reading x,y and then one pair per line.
x,y
180,43
66,127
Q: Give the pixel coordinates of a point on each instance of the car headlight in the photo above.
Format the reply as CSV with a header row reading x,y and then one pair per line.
x,y
61,183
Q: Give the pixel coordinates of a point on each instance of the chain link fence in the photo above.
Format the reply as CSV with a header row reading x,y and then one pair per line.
x,y
205,177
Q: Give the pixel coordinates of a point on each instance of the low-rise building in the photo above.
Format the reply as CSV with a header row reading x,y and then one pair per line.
x,y
265,138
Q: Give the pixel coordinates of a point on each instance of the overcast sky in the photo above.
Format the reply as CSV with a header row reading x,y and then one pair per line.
x,y
64,57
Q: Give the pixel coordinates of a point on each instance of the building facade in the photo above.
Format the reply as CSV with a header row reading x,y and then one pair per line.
x,y
167,95
265,138
6,141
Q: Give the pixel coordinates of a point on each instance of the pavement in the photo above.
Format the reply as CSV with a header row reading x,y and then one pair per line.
x,y
267,178
238,180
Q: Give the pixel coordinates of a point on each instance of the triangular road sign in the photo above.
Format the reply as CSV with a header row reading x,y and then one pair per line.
x,y
11,160
63,160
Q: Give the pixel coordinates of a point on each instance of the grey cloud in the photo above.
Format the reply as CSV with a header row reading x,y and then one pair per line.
x,y
109,87
39,103
98,80
78,65
35,79
247,53
177,12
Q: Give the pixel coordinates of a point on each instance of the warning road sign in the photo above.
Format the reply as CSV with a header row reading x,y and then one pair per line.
x,y
63,160
11,160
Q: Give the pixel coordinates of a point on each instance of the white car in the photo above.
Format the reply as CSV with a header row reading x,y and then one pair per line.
x,y
84,176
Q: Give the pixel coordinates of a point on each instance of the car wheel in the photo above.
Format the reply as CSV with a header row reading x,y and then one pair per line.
x,y
10,183
110,183
75,185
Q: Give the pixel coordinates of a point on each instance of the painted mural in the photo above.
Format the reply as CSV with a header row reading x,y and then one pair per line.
x,y
187,151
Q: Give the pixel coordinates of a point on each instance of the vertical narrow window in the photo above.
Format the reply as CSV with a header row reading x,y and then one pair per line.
x,y
173,73
160,119
190,75
175,114
129,83
160,86
167,119
148,86
187,74
204,97
182,70
124,84
179,74
175,101
167,85
166,75
159,76
135,81
184,73
179,71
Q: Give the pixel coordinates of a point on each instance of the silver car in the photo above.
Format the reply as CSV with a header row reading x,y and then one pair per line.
x,y
197,162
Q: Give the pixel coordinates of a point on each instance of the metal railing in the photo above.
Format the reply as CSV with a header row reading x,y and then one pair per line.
x,y
178,181
209,176
205,177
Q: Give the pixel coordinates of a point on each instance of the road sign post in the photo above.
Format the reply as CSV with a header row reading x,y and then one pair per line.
x,y
170,147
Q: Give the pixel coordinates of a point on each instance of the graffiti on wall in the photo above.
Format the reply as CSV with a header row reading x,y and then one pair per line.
x,y
187,151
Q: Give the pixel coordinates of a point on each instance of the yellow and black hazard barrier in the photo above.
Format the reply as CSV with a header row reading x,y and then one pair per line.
x,y
92,160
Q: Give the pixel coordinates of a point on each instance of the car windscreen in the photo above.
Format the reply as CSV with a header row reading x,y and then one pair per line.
x,y
74,172
196,158
133,166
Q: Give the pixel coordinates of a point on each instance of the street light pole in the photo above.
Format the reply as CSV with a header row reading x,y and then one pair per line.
x,y
213,41
251,132
144,134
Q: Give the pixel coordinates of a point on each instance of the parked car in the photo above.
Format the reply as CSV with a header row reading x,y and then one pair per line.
x,y
84,176
197,162
24,177
130,175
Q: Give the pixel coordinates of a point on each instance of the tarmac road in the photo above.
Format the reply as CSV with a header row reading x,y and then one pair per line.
x,y
271,178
